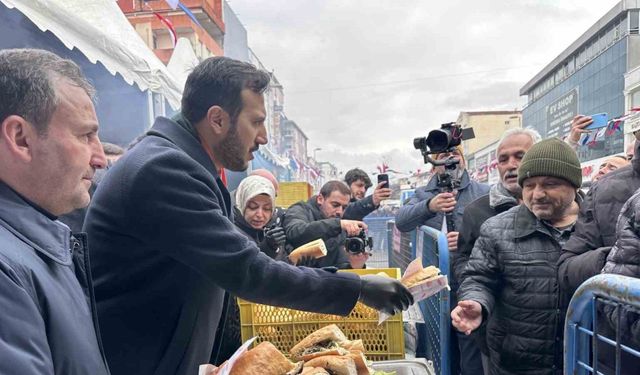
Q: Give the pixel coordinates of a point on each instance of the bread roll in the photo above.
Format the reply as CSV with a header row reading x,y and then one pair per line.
x,y
338,365
264,359
316,249
326,334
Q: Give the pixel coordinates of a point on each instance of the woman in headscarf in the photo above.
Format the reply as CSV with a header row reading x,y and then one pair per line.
x,y
255,199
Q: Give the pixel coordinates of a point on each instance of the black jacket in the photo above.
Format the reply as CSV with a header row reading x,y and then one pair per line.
x,y
255,235
512,273
475,214
165,250
585,253
359,208
304,222
624,259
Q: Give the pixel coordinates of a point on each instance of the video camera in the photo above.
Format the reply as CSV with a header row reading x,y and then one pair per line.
x,y
358,244
440,141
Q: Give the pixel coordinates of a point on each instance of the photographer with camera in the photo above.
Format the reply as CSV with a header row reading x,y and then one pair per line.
x,y
361,206
440,205
321,217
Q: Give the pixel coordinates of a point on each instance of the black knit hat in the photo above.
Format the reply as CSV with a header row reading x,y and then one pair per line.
x,y
551,157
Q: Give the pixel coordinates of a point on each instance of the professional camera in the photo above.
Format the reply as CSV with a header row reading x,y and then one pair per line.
x,y
444,139
439,141
358,244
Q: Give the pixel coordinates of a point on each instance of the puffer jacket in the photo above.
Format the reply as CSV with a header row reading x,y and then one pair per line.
x,y
585,253
476,213
624,259
512,273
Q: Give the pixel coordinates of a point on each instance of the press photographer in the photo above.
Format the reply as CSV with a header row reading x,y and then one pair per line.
x,y
321,217
446,195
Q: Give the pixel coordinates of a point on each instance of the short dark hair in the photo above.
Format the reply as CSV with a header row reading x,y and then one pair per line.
x,y
111,149
28,79
332,186
220,81
356,174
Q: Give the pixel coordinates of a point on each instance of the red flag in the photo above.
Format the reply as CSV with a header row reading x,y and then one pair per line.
x,y
169,26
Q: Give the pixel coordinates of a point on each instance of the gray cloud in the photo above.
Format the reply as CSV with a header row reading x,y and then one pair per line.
x,y
368,76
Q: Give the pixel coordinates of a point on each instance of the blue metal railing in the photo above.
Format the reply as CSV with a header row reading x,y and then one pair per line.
x,y
431,245
595,314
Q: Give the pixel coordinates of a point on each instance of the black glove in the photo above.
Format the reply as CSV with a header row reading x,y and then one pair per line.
x,y
275,237
306,261
384,294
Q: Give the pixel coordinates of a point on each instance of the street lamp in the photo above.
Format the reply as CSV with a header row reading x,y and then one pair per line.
x,y
314,153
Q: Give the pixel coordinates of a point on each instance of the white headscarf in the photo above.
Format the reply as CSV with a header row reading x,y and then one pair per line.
x,y
253,186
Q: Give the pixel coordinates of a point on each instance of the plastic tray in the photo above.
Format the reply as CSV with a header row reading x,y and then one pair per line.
x,y
418,366
285,327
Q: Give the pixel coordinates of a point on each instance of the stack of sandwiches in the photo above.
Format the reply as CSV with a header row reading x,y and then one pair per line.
x,y
326,351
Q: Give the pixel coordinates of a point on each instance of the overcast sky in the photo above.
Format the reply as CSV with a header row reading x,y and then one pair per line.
x,y
363,78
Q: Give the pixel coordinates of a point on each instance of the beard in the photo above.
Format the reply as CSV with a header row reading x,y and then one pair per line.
x,y
232,153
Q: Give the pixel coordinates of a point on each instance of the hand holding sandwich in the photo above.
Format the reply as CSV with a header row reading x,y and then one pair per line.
x,y
467,316
384,294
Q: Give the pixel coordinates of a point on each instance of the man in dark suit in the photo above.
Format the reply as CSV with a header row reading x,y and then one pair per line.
x,y
165,249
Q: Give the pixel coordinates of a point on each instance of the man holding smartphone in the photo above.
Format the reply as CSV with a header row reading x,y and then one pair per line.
x,y
361,206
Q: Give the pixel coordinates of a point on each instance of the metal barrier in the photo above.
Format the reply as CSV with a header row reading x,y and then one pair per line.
x,y
595,309
378,231
431,245
402,247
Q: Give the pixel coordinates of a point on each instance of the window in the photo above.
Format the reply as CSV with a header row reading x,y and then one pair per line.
x,y
633,22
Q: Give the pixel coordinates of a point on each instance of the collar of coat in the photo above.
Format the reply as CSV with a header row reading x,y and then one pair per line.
x,y
187,141
315,208
50,238
500,196
526,223
433,182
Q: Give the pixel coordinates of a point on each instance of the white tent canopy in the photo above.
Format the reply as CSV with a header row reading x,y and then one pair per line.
x,y
182,61
100,30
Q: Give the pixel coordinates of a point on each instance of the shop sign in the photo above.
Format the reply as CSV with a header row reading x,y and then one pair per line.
x,y
560,113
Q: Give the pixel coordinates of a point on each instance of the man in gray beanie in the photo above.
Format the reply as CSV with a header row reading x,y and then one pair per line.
x,y
510,281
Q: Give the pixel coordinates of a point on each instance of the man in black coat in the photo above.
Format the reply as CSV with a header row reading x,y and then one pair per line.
x,y
502,196
586,252
166,249
511,278
321,217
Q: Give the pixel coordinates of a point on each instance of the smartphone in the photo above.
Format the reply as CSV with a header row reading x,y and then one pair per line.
x,y
600,120
383,177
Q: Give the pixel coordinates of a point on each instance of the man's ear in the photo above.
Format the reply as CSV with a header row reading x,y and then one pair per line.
x,y
218,120
17,135
320,199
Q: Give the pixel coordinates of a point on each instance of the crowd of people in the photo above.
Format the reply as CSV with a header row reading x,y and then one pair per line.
x,y
170,247
165,251
521,248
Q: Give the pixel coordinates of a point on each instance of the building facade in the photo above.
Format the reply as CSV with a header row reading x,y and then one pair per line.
x,y
595,74
206,41
488,127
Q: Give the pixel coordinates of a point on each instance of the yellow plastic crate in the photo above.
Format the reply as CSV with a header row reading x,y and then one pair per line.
x,y
293,192
285,327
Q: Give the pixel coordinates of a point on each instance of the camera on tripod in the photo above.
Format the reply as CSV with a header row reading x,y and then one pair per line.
x,y
358,244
